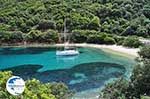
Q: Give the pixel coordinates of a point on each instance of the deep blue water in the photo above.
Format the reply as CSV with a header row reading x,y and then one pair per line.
x,y
90,69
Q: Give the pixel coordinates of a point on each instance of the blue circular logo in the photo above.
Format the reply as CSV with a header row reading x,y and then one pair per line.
x,y
15,85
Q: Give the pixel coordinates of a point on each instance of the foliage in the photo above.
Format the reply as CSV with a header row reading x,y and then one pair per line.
x,y
50,36
141,73
115,89
132,42
119,39
79,36
140,78
94,24
145,52
11,37
109,40
145,97
119,17
92,36
35,89
96,39
33,36
46,24
137,87
60,91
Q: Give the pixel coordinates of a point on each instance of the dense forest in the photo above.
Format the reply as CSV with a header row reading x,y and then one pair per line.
x,y
42,20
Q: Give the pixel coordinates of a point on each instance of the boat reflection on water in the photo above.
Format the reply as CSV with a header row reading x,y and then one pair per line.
x,y
66,58
68,51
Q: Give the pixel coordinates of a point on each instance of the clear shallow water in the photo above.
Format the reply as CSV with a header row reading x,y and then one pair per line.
x,y
89,70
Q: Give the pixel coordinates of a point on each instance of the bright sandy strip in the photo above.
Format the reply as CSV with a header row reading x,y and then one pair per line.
x,y
116,48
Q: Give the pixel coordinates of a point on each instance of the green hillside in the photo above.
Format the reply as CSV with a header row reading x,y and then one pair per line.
x,y
119,17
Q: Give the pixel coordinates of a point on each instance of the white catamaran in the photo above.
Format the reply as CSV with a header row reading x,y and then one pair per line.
x,y
68,51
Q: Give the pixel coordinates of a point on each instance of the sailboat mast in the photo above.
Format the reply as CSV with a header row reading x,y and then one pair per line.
x,y
64,30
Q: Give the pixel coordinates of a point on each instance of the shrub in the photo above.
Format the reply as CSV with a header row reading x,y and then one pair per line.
x,y
115,90
49,36
4,27
80,36
4,36
35,89
11,36
120,42
60,90
33,36
16,37
96,39
132,41
118,39
109,40
46,24
94,24
141,74
91,36
141,78
145,52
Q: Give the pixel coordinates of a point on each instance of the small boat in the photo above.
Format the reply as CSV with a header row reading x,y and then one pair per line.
x,y
68,51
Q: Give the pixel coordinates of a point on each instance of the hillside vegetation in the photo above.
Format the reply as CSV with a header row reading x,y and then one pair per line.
x,y
35,89
42,20
138,86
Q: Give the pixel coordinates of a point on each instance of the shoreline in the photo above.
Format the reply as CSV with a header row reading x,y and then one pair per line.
x,y
115,48
109,48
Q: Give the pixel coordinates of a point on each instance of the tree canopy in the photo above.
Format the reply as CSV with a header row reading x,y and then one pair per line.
x,y
122,17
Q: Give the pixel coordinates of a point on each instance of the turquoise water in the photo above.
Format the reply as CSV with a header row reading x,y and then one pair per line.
x,y
90,69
